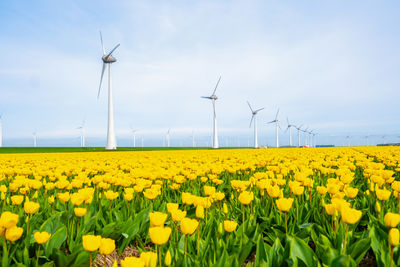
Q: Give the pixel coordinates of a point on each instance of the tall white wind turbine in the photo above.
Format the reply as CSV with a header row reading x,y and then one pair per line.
x,y
34,139
253,118
298,134
134,137
213,98
108,59
168,138
289,127
276,121
82,128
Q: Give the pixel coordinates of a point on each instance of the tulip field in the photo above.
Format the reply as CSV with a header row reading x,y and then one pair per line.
x,y
237,207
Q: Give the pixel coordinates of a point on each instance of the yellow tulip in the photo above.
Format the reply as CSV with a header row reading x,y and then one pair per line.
x,y
200,212
80,212
63,197
17,199
157,218
394,237
225,208
188,226
322,190
8,219
107,246
41,237
159,235
31,207
14,233
246,197
178,215
274,191
383,194
298,190
391,219
132,262
331,209
351,216
91,242
230,226
168,259
172,206
351,192
149,258
111,195
284,204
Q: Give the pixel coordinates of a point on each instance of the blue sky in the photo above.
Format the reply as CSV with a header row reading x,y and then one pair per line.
x,y
331,66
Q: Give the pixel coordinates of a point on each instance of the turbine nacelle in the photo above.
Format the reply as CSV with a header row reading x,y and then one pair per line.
x,y
108,59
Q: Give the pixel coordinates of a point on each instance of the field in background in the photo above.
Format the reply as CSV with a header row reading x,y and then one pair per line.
x,y
96,149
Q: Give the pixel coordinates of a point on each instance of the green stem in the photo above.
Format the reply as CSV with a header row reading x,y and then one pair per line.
x,y
37,257
159,255
345,239
185,245
90,259
286,222
243,218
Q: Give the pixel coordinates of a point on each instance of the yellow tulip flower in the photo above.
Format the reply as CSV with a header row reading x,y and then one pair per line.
x,y
159,235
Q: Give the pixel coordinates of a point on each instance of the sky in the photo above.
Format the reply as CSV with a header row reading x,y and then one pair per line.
x,y
331,66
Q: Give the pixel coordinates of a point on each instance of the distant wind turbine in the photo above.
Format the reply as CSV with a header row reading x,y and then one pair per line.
x,y
298,134
108,59
34,139
213,98
193,142
82,128
276,121
289,127
167,137
134,137
253,118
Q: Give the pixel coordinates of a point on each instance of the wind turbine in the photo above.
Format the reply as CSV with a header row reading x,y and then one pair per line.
x,y
315,139
253,118
311,137
108,59
134,137
348,140
298,134
82,128
289,127
276,121
213,98
1,132
167,137
34,139
193,142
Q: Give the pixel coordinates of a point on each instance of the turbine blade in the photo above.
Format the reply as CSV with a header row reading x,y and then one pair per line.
x,y
101,79
109,54
287,119
259,109
276,117
102,45
250,106
216,85
252,117
271,122
207,97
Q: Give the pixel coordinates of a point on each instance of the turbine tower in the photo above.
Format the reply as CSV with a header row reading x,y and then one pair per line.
x,y
134,137
1,133
213,98
34,139
289,127
276,121
167,137
298,134
82,128
253,118
108,59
